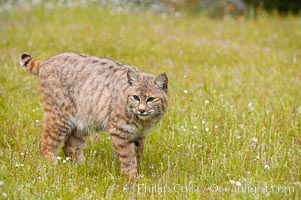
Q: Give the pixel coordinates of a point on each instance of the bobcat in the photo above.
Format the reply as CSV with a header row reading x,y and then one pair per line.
x,y
82,93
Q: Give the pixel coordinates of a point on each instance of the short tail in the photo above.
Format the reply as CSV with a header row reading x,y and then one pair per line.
x,y
30,64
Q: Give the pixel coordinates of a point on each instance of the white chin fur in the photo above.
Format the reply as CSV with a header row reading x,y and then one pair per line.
x,y
143,117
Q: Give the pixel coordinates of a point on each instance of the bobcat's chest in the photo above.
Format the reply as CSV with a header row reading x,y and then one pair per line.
x,y
134,130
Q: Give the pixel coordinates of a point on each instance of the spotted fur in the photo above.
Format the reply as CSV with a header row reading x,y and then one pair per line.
x,y
83,93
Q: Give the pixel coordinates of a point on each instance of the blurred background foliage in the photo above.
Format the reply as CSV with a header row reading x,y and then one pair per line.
x,y
212,8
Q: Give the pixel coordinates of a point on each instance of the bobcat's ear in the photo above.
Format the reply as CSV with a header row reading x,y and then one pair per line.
x,y
161,82
132,77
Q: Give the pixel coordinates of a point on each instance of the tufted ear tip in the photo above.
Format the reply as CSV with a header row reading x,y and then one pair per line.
x,y
162,82
132,77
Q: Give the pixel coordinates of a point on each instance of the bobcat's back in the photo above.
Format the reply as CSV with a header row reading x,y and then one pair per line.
x,y
87,87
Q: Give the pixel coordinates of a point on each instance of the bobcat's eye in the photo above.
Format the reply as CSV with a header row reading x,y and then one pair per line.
x,y
150,99
136,97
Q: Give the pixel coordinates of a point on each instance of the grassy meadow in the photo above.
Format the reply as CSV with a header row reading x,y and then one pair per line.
x,y
233,126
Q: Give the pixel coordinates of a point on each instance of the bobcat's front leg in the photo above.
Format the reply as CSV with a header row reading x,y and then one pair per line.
x,y
126,153
139,147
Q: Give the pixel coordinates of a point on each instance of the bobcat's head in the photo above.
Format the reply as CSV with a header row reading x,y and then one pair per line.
x,y
147,95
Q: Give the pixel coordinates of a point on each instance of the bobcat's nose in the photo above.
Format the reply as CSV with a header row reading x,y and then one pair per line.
x,y
141,111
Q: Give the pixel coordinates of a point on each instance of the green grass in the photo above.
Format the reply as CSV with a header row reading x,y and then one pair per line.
x,y
234,115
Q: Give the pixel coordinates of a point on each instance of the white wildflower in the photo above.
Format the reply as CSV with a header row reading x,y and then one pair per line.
x,y
267,167
206,129
251,107
4,195
1,183
254,139
232,182
64,161
185,91
195,127
216,126
68,158
59,158
203,122
206,102
238,184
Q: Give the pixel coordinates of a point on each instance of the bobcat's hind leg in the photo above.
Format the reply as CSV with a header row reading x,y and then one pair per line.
x,y
56,128
74,146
